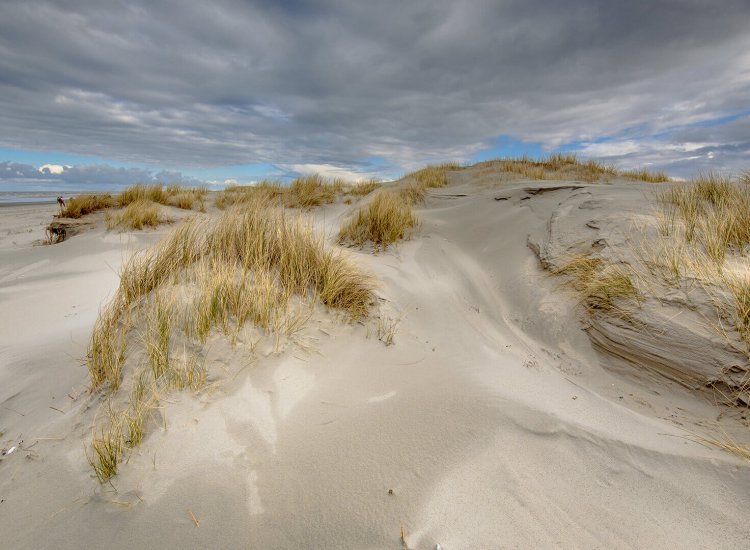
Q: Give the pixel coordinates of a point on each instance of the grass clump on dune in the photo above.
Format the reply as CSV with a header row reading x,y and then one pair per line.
x,y
136,215
106,351
266,192
385,219
602,286
106,454
417,183
433,175
142,192
310,191
254,265
86,204
412,193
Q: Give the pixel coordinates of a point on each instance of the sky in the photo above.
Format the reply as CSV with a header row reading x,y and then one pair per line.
x,y
108,93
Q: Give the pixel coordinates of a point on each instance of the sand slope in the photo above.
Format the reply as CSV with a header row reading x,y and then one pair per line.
x,y
493,420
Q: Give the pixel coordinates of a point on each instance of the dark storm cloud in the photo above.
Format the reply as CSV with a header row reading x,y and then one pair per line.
x,y
225,82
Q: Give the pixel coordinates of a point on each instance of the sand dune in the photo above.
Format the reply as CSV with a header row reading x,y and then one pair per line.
x,y
502,417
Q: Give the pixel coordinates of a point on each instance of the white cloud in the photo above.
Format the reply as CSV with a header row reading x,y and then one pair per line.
x,y
329,171
53,168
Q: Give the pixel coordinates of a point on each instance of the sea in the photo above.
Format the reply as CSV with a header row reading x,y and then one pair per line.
x,y
27,197
43,193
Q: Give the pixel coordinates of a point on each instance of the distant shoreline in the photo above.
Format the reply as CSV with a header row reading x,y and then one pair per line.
x,y
26,203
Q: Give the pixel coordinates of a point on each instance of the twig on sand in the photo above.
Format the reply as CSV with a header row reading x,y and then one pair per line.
x,y
195,519
56,409
13,410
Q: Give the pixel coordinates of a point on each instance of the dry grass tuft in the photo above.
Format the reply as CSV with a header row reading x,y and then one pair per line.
x,y
416,183
187,199
412,193
267,193
86,204
106,453
385,219
364,188
156,339
724,442
136,215
435,175
189,374
173,195
739,292
713,211
387,328
142,192
646,175
106,352
310,191
304,192
601,286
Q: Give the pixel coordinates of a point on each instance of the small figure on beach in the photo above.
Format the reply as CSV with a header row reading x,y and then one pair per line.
x,y
61,201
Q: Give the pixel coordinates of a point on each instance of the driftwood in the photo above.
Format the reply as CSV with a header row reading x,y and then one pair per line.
x,y
56,232
62,228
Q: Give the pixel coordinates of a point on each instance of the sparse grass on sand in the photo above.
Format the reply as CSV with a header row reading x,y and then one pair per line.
x,y
254,264
714,212
136,215
82,205
723,441
562,166
385,219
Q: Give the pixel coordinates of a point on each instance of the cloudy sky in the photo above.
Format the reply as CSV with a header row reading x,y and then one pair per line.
x,y
222,89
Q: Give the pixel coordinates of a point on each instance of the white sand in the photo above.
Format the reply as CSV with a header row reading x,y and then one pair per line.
x,y
493,420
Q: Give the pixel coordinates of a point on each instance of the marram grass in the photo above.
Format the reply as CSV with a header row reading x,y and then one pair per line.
x,y
248,266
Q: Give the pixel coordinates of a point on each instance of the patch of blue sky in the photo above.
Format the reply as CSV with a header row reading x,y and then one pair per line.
x,y
708,123
381,166
507,146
